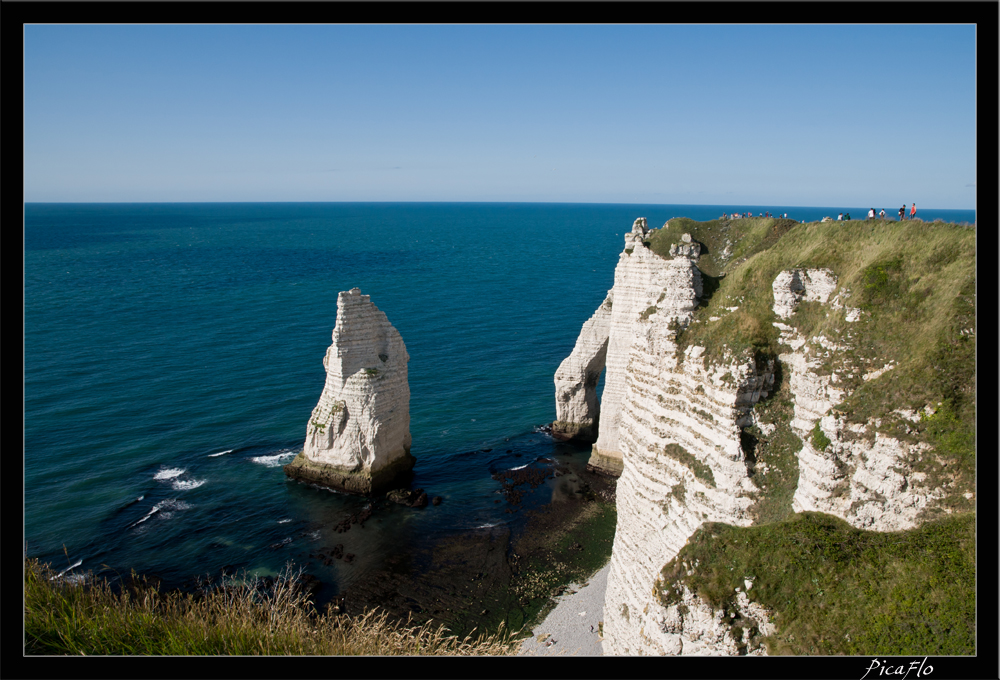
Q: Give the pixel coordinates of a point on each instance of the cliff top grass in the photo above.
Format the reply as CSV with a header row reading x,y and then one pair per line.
x,y
834,589
239,618
915,286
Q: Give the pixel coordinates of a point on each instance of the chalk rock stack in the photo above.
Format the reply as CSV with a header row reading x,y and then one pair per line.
x,y
577,408
646,285
358,437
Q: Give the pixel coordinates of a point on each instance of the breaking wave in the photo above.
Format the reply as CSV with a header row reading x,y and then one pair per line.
x,y
69,568
169,473
274,460
165,507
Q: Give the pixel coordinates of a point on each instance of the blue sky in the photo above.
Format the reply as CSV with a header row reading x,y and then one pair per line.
x,y
754,115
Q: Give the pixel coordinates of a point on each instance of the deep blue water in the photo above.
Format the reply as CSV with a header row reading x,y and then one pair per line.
x,y
173,355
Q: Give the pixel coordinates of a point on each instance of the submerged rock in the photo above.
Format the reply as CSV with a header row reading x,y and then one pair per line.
x,y
413,499
358,438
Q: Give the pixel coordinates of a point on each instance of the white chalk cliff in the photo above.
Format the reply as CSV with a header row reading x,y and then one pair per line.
x,y
645,285
358,437
860,477
671,423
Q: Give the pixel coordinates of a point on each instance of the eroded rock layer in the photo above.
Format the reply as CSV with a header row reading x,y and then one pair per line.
x,y
679,429
847,470
358,437
683,465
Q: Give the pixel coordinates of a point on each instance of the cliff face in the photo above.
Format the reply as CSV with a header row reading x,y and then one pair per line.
x,y
685,425
866,481
358,437
645,284
684,465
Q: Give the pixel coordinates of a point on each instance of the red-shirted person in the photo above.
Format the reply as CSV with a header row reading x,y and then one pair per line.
x,y
913,211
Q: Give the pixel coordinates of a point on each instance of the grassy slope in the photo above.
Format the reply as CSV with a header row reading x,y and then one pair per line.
x,y
915,284
840,590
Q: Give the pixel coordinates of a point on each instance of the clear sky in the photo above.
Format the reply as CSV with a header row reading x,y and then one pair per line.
x,y
754,115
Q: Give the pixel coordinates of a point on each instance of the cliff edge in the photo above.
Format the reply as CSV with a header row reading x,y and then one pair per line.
x,y
811,383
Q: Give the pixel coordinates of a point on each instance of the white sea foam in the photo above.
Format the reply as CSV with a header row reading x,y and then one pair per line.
x,y
69,568
184,485
169,473
166,507
156,509
275,460
520,467
220,453
284,521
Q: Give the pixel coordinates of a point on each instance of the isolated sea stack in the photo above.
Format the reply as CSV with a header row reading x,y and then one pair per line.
x,y
358,438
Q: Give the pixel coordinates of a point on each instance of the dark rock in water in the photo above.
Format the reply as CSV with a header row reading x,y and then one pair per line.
x,y
486,450
348,558
310,584
338,551
401,496
510,450
517,455
413,499
436,500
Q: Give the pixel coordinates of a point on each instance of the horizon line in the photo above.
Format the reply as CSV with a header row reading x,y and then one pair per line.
x,y
705,205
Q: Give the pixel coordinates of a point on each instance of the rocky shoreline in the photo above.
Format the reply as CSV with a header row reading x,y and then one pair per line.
x,y
492,576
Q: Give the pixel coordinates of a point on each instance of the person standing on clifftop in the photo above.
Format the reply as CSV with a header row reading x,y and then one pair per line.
x,y
913,211
902,211
881,214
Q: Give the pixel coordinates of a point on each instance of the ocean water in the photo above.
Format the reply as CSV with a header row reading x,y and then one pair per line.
x,y
173,355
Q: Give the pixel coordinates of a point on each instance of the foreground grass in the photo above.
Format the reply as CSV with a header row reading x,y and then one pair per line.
x,y
239,618
835,589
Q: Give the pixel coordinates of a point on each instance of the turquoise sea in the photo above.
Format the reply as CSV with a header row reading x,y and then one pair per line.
x,y
173,355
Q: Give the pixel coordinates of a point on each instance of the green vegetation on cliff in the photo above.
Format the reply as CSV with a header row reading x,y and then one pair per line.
x,y
915,286
835,589
911,289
